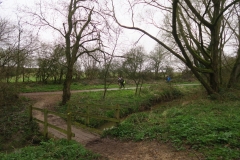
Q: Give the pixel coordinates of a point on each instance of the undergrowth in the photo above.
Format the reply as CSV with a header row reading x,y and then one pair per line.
x,y
15,129
209,127
53,149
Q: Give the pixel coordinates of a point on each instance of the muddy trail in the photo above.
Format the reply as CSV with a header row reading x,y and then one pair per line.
x,y
111,149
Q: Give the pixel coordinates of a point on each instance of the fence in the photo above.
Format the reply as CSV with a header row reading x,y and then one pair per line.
x,y
68,132
45,123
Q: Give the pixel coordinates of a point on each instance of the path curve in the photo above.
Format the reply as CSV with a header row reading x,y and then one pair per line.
x,y
49,100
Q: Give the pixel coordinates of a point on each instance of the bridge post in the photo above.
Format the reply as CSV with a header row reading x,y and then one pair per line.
x,y
45,123
30,113
87,118
117,114
69,126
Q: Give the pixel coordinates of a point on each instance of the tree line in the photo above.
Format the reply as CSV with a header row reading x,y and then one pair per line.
x,y
49,66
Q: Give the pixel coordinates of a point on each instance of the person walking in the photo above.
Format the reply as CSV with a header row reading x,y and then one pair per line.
x,y
168,79
121,82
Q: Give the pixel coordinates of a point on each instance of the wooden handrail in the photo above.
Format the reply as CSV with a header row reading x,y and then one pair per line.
x,y
55,127
88,115
68,132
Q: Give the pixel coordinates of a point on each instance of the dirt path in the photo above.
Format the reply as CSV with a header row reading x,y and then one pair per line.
x,y
49,100
110,148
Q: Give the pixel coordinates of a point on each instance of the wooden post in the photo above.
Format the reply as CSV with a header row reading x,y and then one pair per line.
x,y
69,128
45,123
87,118
30,113
117,114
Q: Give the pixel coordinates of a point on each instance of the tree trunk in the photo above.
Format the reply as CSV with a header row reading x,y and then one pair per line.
x,y
67,86
235,72
23,74
215,40
211,86
202,80
105,88
214,78
60,76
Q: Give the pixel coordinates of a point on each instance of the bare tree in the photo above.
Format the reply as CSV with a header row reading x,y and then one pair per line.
x,y
108,57
235,73
80,31
17,45
195,28
5,31
133,66
91,65
5,51
51,63
156,59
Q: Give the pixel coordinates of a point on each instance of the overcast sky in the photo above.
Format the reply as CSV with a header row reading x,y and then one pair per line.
x,y
9,11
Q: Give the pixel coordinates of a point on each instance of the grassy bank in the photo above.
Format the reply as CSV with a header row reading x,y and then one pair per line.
x,y
207,126
124,99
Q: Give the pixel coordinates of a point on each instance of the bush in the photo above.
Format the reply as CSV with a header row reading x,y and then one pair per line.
x,y
15,129
165,92
8,94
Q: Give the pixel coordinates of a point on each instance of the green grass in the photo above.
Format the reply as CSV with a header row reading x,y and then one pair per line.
x,y
124,99
209,127
52,149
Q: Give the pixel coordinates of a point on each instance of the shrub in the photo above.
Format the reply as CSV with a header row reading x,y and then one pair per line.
x,y
16,130
8,94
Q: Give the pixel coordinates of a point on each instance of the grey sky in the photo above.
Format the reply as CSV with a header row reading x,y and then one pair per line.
x,y
9,11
